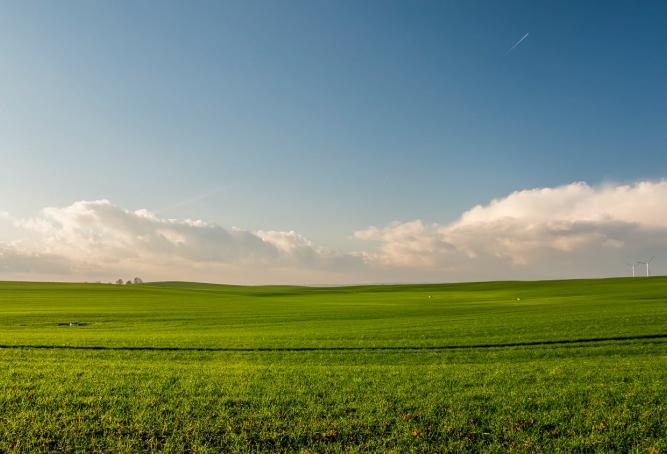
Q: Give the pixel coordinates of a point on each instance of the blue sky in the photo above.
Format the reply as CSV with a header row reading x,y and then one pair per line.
x,y
324,117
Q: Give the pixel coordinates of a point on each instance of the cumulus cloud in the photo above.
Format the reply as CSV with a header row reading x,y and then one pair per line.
x,y
642,203
575,230
99,237
566,231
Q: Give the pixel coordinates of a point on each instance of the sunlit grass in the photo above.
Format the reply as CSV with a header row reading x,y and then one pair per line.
x,y
386,368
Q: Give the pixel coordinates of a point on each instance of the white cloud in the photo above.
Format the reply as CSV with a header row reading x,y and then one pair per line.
x,y
102,238
566,231
573,230
642,203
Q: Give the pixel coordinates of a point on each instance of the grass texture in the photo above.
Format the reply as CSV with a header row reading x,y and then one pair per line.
x,y
576,365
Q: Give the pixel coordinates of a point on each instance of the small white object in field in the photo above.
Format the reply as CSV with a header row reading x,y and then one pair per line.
x,y
518,299
429,297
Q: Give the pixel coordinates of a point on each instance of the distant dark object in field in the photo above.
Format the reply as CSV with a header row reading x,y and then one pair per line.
x,y
72,323
138,280
119,281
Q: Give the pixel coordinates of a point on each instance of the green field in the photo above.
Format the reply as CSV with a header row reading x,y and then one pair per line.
x,y
527,366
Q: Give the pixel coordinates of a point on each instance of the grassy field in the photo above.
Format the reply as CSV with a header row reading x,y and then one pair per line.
x,y
526,366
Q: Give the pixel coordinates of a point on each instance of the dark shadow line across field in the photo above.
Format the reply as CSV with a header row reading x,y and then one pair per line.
x,y
309,349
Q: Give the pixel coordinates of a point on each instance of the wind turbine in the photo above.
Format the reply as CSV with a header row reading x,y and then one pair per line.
x,y
647,263
633,267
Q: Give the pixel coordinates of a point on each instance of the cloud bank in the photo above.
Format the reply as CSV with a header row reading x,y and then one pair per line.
x,y
575,230
97,238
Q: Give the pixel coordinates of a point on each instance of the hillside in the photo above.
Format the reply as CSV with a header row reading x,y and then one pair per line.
x,y
482,366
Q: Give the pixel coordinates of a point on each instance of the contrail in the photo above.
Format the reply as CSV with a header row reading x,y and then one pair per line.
x,y
517,43
197,198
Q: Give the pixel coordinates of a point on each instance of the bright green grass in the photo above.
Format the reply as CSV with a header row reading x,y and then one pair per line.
x,y
376,368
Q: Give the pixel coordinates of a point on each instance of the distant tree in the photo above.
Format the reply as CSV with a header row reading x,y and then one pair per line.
x,y
137,280
119,282
128,283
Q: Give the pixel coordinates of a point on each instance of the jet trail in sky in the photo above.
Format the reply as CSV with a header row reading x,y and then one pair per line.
x,y
518,42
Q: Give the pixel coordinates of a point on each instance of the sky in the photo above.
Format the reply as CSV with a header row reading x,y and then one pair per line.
x,y
322,142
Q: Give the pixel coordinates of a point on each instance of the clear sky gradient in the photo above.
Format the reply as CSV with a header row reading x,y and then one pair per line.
x,y
324,117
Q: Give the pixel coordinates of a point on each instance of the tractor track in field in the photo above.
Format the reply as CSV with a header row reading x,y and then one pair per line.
x,y
315,349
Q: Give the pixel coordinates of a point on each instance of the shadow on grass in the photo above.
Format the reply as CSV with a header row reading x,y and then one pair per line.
x,y
315,349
